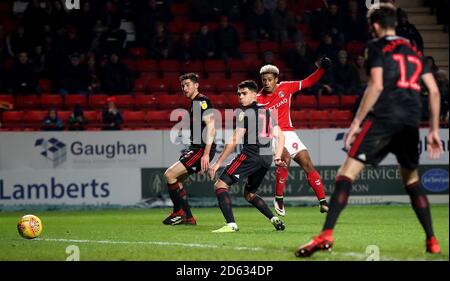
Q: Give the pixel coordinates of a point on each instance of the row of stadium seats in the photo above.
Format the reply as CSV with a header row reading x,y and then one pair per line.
x,y
32,119
163,100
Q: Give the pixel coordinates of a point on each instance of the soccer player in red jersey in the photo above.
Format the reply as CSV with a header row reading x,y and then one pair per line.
x,y
277,96
392,106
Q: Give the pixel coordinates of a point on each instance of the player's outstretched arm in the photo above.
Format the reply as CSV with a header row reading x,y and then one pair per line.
x,y
434,141
278,134
370,97
210,136
311,80
228,149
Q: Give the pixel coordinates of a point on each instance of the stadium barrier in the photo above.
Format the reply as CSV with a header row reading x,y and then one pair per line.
x,y
125,168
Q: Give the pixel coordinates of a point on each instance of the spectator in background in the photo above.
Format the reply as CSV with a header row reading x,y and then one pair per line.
x,y
185,48
328,47
18,42
283,22
361,71
227,40
112,119
93,73
299,59
73,77
432,65
329,21
408,30
149,14
258,22
344,75
52,122
204,43
77,121
39,61
442,82
115,78
161,43
23,76
114,39
355,23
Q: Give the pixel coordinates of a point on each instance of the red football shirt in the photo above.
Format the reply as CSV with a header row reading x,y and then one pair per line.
x,y
280,99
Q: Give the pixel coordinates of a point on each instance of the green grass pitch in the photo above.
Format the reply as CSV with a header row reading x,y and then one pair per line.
x,y
138,234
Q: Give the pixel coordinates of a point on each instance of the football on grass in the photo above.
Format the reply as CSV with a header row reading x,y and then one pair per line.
x,y
29,226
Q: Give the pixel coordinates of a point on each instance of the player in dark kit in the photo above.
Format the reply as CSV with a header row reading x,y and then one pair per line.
x,y
198,155
256,126
392,105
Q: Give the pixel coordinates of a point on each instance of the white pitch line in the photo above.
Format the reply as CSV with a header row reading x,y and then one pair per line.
x,y
159,243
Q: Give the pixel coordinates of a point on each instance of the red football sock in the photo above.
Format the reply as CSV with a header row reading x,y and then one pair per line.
x,y
316,184
281,175
327,233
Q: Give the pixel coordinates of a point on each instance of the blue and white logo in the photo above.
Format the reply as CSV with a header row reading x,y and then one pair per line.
x,y
435,180
54,150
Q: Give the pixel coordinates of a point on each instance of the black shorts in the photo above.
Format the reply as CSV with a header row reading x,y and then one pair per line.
x,y
378,138
191,158
246,166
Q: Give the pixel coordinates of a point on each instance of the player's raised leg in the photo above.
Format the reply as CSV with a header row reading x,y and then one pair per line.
x,y
281,175
313,177
181,213
421,206
343,184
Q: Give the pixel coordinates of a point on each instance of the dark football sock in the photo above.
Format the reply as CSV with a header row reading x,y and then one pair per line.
x,y
261,205
174,196
338,201
224,199
419,202
184,203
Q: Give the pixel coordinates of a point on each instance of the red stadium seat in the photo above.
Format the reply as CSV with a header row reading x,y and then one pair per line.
x,y
248,47
328,102
97,101
354,48
33,118
93,118
180,9
133,118
8,99
169,102
157,85
303,102
169,66
64,115
304,28
27,102
147,66
71,100
235,66
159,118
265,46
137,53
45,85
216,75
51,101
348,102
312,44
219,101
125,101
170,76
146,102
140,85
287,46
12,119
224,85
320,118
193,66
215,66
341,118
206,85
300,118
